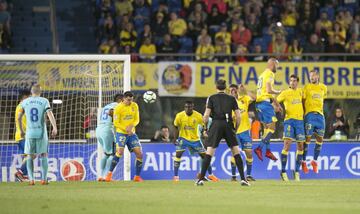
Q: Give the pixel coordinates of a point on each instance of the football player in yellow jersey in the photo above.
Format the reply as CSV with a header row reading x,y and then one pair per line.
x,y
266,106
126,118
243,98
21,173
186,135
313,99
293,125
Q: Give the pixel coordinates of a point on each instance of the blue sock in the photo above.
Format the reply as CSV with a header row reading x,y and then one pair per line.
x,y
114,162
103,165
299,158
261,145
233,167
284,155
108,165
317,150
306,147
267,145
177,166
44,168
249,163
23,167
138,166
30,168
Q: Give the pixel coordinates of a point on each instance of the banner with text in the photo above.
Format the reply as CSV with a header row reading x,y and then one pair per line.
x,y
337,161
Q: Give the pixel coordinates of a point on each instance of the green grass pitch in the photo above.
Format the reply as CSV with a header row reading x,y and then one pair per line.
x,y
307,196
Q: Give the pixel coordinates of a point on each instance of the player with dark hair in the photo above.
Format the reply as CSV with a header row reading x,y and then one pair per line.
x,y
187,136
293,125
126,118
313,100
220,107
265,104
105,135
243,98
21,174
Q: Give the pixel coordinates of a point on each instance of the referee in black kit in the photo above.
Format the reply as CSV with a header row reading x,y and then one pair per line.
x,y
220,107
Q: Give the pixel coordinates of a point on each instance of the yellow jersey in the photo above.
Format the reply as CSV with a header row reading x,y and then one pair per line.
x,y
292,100
18,133
314,95
265,77
243,103
188,125
126,115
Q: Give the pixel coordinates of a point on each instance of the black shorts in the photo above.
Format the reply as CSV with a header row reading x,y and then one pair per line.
x,y
220,129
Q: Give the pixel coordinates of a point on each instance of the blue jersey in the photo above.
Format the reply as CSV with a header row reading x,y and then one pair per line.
x,y
35,109
105,120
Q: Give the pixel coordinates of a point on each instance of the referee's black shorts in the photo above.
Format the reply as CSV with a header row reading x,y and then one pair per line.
x,y
220,129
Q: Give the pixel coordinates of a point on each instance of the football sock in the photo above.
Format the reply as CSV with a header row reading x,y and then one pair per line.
x,y
138,166
103,165
299,158
317,150
114,162
108,165
209,170
239,164
284,155
44,168
30,168
176,166
233,167
205,165
23,168
306,147
249,162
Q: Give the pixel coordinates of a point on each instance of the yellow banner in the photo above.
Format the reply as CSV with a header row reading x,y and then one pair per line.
x,y
342,79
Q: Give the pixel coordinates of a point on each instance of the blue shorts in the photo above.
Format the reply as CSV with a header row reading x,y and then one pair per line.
x,y
314,123
266,112
193,146
294,130
106,138
36,145
244,140
21,146
131,141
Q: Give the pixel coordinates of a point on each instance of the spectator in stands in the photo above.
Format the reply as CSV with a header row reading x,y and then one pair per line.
x,y
314,46
321,32
159,27
269,17
355,25
305,28
279,46
196,27
107,28
224,34
177,26
220,4
295,50
348,19
204,35
352,48
141,15
106,46
168,46
325,22
257,57
241,50
253,25
128,50
253,6
289,16
5,17
205,51
128,36
162,135
147,33
214,20
107,7
222,49
234,19
147,51
241,35
199,10
339,33
333,47
339,128
123,7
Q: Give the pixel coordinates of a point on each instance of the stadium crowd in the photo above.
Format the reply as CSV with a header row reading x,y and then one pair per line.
x,y
213,29
5,29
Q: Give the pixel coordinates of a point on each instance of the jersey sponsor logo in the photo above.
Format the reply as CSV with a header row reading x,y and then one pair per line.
x,y
73,170
353,161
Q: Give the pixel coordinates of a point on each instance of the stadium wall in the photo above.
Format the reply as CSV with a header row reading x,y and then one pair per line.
x,y
339,160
